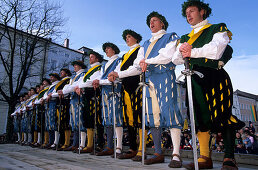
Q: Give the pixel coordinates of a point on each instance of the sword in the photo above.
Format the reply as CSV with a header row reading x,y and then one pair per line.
x,y
59,119
79,109
41,125
114,117
143,84
95,121
188,73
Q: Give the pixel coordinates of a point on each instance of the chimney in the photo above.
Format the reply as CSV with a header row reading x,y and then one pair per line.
x,y
66,43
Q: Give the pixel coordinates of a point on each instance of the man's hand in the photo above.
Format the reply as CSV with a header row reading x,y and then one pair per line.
x,y
49,96
78,90
42,101
185,50
95,84
143,65
112,76
60,93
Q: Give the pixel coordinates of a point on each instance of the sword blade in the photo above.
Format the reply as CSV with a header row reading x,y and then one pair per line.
x,y
95,122
114,118
192,120
143,120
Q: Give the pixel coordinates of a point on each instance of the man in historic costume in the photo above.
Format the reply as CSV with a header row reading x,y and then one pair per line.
x,y
17,120
50,107
88,98
41,120
33,119
40,110
132,100
207,49
29,114
63,104
111,51
75,103
162,110
23,119
65,76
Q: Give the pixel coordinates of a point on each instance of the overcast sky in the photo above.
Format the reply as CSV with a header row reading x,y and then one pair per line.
x,y
91,23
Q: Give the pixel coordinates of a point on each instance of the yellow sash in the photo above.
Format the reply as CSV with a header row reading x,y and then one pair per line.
x,y
60,82
89,71
75,78
127,55
151,47
194,36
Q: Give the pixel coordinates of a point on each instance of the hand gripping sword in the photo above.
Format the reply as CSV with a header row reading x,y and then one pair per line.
x,y
188,73
143,84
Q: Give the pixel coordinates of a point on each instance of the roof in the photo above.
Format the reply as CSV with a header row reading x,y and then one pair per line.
x,y
245,94
43,39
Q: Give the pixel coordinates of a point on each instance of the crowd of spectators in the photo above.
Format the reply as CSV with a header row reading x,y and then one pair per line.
x,y
245,142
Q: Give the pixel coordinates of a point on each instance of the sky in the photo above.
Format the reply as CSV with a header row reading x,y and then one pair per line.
x,y
91,23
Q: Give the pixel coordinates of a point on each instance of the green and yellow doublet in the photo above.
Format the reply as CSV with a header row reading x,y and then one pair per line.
x,y
212,94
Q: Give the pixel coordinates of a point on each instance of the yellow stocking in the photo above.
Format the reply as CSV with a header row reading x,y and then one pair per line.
x,y
67,137
35,137
204,138
22,137
46,138
140,144
90,134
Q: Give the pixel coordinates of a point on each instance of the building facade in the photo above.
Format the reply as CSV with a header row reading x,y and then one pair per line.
x,y
48,57
245,106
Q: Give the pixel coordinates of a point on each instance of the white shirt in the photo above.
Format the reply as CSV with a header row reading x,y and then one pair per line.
x,y
106,81
164,56
54,93
213,50
31,98
69,88
132,70
93,77
53,84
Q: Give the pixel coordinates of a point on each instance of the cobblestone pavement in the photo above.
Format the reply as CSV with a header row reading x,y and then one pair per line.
x,y
13,156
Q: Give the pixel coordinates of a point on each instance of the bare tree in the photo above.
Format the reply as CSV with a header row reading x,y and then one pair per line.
x,y
26,27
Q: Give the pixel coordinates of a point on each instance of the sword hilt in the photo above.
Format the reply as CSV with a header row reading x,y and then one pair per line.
x,y
188,71
142,82
117,94
187,63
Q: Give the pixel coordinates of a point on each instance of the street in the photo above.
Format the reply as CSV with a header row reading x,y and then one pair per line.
x,y
14,156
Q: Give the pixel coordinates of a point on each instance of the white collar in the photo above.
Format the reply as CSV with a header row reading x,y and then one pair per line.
x,y
113,57
33,96
54,83
80,71
66,77
110,61
198,26
94,64
134,46
157,35
46,87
